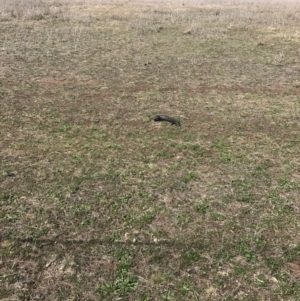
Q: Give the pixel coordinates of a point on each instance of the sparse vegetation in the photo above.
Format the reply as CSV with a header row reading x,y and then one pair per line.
x,y
98,202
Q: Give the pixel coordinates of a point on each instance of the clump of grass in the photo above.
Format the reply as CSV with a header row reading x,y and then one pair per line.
x,y
34,10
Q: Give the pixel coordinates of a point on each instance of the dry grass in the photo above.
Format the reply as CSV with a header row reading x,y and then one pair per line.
x,y
98,202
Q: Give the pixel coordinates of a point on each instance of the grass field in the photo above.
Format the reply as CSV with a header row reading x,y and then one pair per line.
x,y
98,202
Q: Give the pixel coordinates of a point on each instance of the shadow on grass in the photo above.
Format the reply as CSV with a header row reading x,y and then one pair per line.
x,y
70,242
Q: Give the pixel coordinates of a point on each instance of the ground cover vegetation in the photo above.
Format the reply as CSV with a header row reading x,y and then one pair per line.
x,y
98,202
